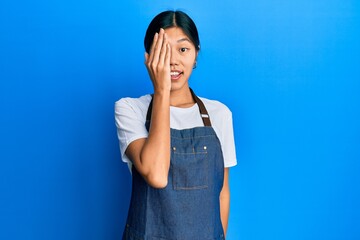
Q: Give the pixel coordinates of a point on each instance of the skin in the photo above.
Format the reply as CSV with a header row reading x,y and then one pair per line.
x,y
171,51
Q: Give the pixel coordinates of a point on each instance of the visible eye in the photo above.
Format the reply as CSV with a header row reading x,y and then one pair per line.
x,y
183,50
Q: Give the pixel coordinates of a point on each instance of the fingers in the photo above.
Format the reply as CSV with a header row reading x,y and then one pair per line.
x,y
163,51
158,48
168,55
158,61
156,36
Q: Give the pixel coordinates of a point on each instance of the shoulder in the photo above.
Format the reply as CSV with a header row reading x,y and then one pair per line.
x,y
216,107
135,104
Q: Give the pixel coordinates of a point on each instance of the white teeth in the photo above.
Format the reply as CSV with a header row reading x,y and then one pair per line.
x,y
174,73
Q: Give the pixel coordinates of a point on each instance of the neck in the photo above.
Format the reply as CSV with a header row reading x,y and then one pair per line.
x,y
181,98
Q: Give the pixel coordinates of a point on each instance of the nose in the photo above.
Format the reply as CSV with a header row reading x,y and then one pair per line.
x,y
174,58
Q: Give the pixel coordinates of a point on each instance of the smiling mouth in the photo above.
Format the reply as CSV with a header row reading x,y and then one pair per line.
x,y
175,75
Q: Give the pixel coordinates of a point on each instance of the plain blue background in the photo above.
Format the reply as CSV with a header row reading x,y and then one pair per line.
x,y
288,70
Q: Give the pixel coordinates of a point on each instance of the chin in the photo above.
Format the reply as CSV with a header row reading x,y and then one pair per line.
x,y
177,86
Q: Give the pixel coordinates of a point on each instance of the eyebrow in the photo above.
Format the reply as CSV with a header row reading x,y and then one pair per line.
x,y
183,40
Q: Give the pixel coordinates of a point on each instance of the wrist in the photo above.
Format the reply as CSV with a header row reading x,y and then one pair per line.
x,y
162,93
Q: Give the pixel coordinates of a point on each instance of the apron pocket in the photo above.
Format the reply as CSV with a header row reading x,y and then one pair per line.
x,y
190,170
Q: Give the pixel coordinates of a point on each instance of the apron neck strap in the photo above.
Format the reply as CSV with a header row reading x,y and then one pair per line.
x,y
203,112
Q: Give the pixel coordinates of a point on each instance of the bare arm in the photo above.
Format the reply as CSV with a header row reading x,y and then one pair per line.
x,y
225,200
151,156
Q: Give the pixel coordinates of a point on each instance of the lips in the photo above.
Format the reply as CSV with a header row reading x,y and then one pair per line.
x,y
175,74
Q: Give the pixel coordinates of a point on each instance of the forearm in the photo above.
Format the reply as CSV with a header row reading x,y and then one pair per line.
x,y
225,201
155,154
224,211
151,156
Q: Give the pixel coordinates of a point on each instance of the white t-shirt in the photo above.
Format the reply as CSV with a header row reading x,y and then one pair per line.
x,y
130,118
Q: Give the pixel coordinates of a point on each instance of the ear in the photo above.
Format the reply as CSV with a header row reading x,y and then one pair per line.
x,y
196,56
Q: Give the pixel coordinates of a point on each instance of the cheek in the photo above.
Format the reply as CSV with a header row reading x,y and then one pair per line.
x,y
190,60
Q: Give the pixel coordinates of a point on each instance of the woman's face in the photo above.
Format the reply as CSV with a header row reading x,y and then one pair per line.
x,y
183,57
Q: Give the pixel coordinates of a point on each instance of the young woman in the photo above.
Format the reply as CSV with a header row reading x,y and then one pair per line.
x,y
179,147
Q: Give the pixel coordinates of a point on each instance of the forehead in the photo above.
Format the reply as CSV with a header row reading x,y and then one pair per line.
x,y
176,34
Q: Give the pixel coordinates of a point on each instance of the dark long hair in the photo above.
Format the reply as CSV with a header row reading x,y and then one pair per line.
x,y
169,19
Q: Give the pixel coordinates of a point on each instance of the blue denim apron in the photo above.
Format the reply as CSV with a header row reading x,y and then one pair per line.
x,y
188,208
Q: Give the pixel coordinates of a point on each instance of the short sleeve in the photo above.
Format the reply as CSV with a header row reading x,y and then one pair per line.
x,y
228,142
130,116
